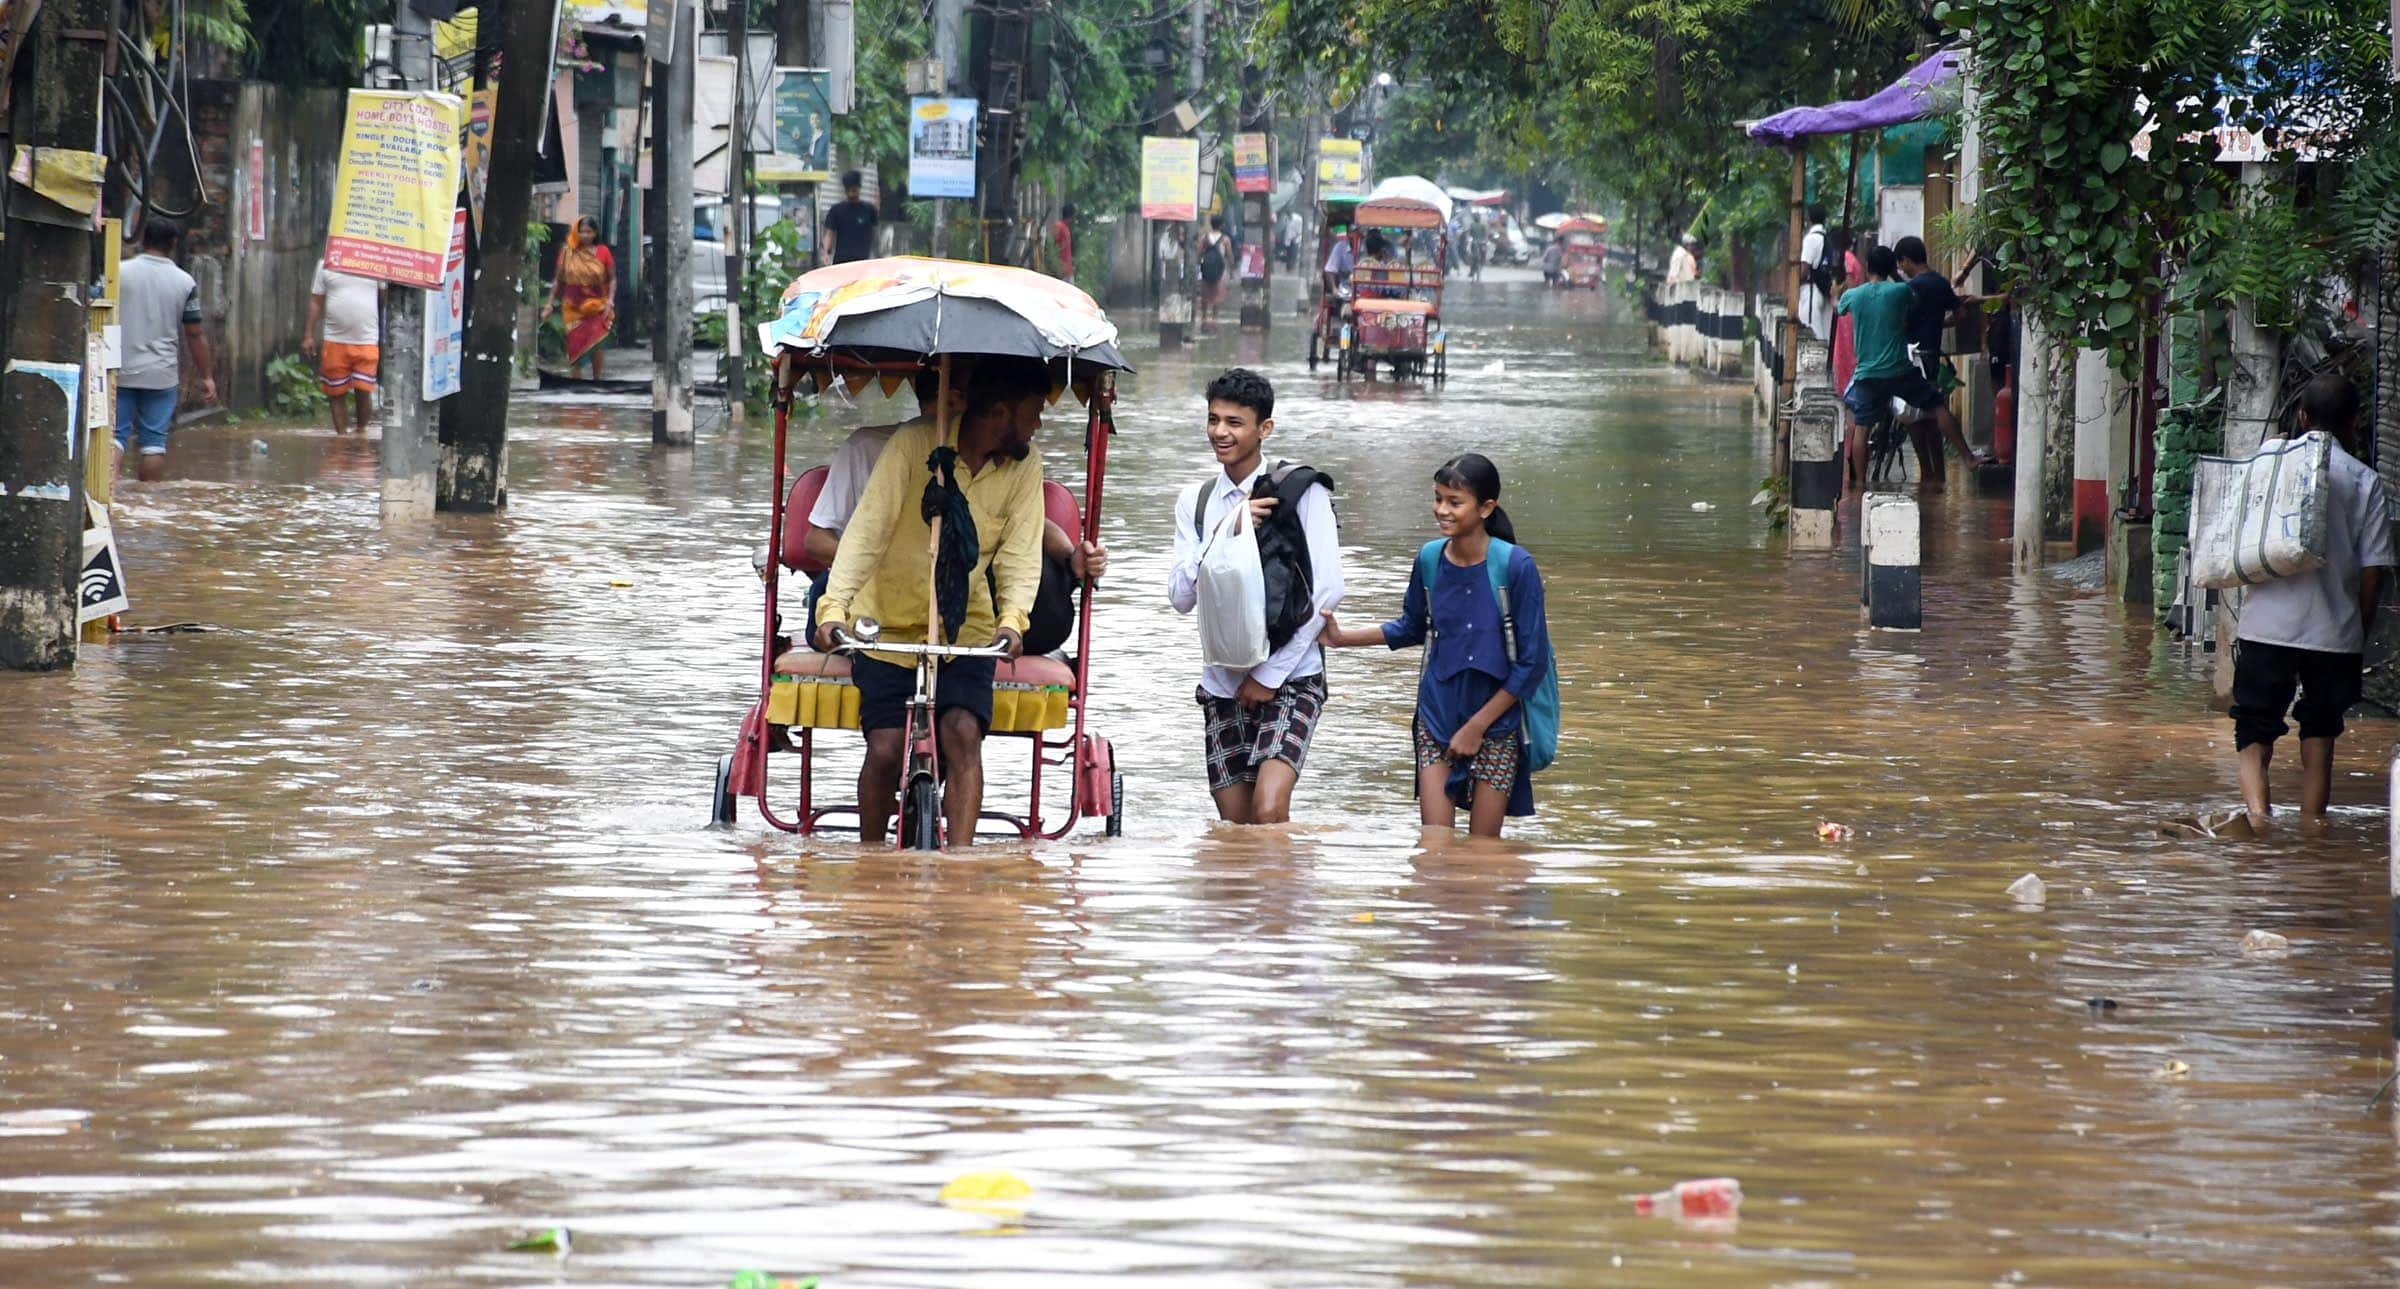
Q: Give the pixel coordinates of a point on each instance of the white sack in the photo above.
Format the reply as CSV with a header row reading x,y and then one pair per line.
x,y
2263,518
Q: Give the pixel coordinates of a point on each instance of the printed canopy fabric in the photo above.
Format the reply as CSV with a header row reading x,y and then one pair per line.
x,y
1929,89
898,303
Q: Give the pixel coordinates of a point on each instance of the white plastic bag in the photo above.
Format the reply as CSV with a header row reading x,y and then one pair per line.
x,y
1233,595
2259,519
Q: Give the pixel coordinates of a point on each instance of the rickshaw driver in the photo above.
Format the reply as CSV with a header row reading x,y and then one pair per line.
x,y
883,570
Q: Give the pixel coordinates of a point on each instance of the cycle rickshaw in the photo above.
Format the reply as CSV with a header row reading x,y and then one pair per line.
x,y
1395,312
888,320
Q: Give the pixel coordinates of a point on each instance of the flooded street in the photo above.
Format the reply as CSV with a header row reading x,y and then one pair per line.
x,y
349,940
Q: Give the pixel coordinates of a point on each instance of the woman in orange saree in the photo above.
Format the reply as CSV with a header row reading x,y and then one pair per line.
x,y
584,292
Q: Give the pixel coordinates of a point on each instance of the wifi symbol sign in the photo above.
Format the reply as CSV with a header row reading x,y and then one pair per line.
x,y
99,583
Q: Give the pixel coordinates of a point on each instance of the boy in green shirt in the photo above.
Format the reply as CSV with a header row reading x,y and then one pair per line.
x,y
1878,309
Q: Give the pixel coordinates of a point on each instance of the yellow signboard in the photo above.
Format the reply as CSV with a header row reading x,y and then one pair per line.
x,y
1171,179
396,187
1341,169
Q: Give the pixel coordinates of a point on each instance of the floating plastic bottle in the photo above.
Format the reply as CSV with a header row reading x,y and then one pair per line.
x,y
1709,1198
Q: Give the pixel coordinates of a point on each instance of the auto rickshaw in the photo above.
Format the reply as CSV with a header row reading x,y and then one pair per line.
x,y
885,321
1585,238
1395,312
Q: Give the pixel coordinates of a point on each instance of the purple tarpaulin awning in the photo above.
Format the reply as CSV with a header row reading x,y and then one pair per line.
x,y
1928,89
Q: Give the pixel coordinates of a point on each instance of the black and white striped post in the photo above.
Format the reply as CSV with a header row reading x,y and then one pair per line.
x,y
1816,482
1894,577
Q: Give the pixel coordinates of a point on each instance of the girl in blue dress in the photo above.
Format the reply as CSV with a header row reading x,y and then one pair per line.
x,y
1469,745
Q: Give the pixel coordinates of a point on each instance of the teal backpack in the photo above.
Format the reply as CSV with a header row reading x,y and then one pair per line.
x,y
1540,723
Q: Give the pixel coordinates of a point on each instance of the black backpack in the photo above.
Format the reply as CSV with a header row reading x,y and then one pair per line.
x,y
1212,260
1282,547
1828,268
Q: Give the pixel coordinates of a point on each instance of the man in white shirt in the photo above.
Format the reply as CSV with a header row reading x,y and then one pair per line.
x,y
2308,632
1684,264
346,307
1816,300
1259,721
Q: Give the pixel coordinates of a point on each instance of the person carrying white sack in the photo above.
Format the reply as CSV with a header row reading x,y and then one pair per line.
x,y
1262,685
2307,632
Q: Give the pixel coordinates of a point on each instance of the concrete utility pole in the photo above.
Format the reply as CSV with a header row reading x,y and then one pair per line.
x,y
48,270
1167,259
410,454
669,216
474,470
737,226
949,16
1258,212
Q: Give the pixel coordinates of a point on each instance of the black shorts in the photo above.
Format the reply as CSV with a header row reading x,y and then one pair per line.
x,y
964,684
2264,678
1869,398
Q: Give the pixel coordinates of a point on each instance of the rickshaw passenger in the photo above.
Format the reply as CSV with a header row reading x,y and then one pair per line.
x,y
1339,261
1379,257
882,570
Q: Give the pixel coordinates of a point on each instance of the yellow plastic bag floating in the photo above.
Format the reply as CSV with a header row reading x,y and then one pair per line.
x,y
994,1190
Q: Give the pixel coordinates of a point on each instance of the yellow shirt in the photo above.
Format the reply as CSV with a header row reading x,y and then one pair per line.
x,y
883,569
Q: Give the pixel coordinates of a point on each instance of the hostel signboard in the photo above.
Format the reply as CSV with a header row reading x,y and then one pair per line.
x,y
396,187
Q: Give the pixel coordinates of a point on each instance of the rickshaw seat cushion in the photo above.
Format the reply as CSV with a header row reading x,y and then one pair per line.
x,y
814,690
794,543
1379,305
1058,505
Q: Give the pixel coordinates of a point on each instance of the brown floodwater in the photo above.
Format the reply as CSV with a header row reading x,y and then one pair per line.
x,y
349,940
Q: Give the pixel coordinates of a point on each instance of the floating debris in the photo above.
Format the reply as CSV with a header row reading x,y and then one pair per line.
x,y
2029,891
2265,944
554,1240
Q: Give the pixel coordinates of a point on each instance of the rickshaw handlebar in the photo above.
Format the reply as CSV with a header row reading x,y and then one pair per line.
x,y
844,642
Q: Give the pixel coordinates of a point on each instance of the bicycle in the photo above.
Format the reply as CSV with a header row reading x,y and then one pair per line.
x,y
921,771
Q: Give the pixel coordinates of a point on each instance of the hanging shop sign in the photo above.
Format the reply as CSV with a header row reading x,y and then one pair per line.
x,y
396,186
1171,179
941,147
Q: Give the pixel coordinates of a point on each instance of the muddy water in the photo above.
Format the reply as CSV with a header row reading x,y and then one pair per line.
x,y
350,939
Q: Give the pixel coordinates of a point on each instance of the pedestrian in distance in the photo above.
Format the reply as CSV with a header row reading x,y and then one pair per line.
x,y
584,293
1936,305
1257,723
158,307
1487,696
1683,264
1820,270
2307,633
1216,257
850,223
1062,243
345,338
1553,256
1879,310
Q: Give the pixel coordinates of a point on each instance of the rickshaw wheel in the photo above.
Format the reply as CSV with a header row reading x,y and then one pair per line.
x,y
721,804
1116,804
1312,351
921,815
1341,364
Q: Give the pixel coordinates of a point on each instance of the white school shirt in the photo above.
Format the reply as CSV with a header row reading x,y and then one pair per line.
x,y
1816,310
846,477
1300,656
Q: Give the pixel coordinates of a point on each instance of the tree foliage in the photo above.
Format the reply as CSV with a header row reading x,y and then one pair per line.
x,y
2087,229
1633,105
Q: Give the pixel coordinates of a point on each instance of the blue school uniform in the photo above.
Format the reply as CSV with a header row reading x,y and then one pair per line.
x,y
1470,659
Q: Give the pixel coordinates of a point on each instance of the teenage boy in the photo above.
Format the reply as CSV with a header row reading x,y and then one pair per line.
x,y
1878,309
1257,723
1935,306
345,336
883,569
2308,632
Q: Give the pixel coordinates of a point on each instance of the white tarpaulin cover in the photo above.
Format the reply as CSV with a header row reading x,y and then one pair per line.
x,y
2262,518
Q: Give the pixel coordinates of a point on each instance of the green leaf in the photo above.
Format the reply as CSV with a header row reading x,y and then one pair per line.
x,y
2119,314
2112,156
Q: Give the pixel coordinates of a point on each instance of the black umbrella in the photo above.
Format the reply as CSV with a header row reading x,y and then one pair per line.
x,y
960,547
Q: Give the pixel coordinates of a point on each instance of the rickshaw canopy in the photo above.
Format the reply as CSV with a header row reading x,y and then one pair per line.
x,y
880,311
1405,201
1581,224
